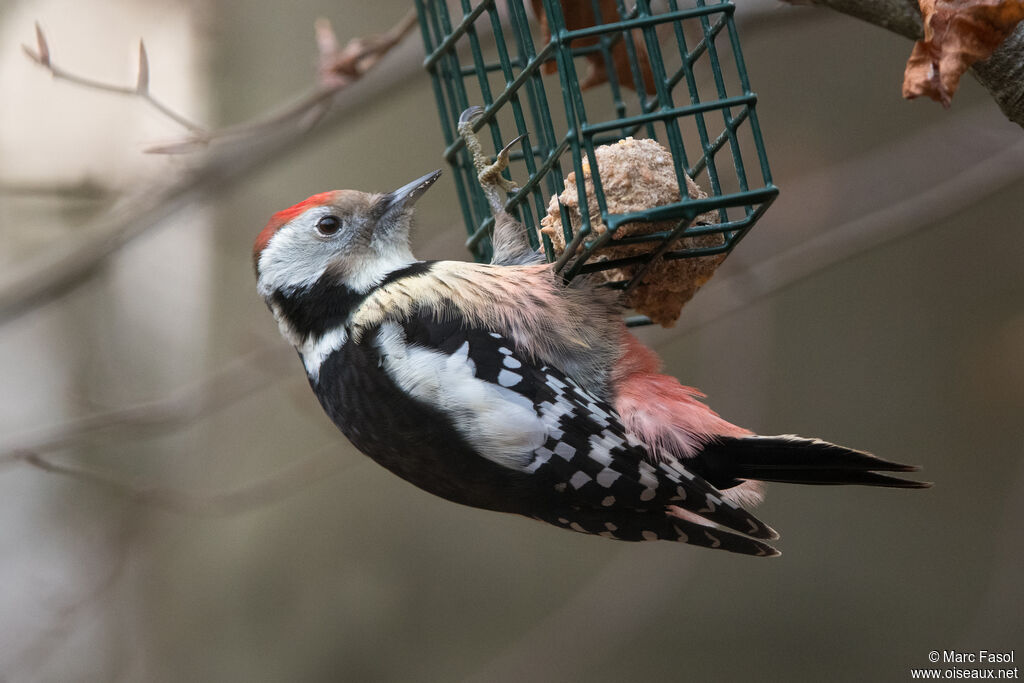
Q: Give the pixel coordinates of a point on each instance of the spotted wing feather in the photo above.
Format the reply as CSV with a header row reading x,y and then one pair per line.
x,y
594,469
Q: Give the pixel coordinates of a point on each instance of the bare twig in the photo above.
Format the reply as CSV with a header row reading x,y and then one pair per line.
x,y
339,66
338,69
55,270
42,57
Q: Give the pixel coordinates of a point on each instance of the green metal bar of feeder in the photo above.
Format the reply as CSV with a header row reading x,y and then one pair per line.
x,y
491,109
755,128
574,111
452,36
479,68
720,141
481,74
442,104
734,145
610,264
588,250
669,113
572,245
484,82
681,165
692,231
642,21
520,198
707,159
602,48
465,173
549,147
489,67
639,87
702,45
532,183
690,58
642,259
755,215
675,137
696,205
638,276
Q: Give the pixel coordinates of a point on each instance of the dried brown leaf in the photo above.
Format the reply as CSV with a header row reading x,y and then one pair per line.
x,y
580,14
957,33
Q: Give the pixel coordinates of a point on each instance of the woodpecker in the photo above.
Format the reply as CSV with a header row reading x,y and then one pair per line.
x,y
500,386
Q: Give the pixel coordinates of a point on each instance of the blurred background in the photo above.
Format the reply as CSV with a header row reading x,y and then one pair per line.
x,y
175,506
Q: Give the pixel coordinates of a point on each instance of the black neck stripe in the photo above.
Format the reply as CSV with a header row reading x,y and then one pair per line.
x,y
327,304
411,270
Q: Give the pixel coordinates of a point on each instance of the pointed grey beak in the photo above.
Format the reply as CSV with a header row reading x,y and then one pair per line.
x,y
406,195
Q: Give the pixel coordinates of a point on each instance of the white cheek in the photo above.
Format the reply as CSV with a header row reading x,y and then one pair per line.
x,y
295,259
289,262
374,267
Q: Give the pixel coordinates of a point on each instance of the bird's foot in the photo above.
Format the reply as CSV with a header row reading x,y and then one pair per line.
x,y
488,174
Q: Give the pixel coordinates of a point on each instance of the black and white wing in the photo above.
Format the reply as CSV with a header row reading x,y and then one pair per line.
x,y
582,470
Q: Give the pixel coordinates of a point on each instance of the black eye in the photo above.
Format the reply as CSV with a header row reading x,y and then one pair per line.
x,y
328,225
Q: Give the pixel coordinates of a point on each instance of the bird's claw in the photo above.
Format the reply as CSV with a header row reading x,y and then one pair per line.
x,y
492,174
488,175
470,115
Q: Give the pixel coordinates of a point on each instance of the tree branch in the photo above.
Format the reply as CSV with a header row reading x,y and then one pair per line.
x,y
62,266
338,68
41,56
1002,74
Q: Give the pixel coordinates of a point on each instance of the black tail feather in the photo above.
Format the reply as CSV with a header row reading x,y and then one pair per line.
x,y
638,525
727,461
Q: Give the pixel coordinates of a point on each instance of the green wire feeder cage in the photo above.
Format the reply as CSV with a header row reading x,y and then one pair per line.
x,y
675,75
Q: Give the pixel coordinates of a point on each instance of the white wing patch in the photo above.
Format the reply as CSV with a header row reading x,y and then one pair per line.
x,y
497,422
315,351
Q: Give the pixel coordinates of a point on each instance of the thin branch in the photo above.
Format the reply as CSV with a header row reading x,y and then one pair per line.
x,y
360,54
54,271
338,68
899,16
41,56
